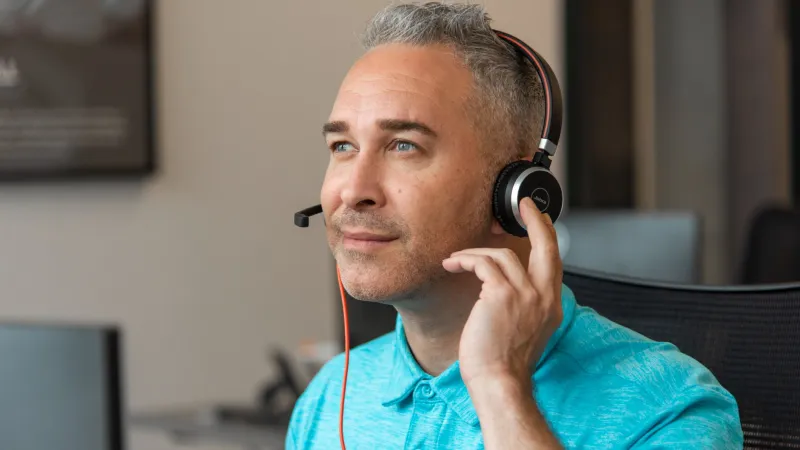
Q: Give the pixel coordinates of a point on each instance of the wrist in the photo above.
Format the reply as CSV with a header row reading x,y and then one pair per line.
x,y
508,413
501,389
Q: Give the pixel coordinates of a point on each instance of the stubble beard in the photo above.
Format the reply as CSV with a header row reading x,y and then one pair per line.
x,y
415,266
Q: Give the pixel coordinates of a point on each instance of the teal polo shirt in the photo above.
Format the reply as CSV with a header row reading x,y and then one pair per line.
x,y
598,385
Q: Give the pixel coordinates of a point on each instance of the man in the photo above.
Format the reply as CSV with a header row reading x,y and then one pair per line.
x,y
490,350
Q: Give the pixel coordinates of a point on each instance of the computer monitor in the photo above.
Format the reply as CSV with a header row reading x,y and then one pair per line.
x,y
653,245
60,387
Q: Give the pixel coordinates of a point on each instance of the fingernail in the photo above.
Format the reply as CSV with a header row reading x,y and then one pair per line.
x,y
528,202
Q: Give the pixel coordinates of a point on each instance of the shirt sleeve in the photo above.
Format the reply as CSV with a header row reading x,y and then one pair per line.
x,y
298,423
291,432
701,417
306,409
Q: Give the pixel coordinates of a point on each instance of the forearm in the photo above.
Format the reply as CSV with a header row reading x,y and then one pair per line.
x,y
509,416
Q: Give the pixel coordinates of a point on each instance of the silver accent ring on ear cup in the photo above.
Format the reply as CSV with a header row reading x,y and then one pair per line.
x,y
515,194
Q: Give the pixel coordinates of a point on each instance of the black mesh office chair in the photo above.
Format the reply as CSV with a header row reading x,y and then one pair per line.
x,y
748,336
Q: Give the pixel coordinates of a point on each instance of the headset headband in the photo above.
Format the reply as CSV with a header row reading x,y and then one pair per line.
x,y
551,130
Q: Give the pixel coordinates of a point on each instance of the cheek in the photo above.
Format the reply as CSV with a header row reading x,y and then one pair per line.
x,y
445,207
457,196
329,193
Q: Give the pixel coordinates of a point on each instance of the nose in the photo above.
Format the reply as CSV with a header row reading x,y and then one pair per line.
x,y
363,188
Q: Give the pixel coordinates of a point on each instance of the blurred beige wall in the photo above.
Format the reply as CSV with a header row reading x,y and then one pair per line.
x,y
202,265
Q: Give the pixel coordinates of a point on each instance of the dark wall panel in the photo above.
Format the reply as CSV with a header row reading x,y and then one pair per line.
x,y
599,103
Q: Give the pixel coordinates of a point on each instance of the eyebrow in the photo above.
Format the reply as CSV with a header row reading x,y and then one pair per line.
x,y
406,125
339,126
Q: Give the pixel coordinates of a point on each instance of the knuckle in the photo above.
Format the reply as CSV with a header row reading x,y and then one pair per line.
x,y
508,254
551,252
478,260
504,291
529,294
483,259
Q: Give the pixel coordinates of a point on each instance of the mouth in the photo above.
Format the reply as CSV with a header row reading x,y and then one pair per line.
x,y
365,240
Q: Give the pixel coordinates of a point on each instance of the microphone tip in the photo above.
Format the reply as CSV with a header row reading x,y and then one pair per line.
x,y
301,220
301,217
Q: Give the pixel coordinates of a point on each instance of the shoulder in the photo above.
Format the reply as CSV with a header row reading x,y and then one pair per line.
x,y
673,397
659,369
602,347
321,397
363,363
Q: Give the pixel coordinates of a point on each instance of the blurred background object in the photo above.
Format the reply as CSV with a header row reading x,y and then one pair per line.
x,y
74,21
60,386
680,139
650,245
683,105
772,254
76,89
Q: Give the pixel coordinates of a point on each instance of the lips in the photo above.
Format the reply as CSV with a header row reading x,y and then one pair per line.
x,y
367,236
366,241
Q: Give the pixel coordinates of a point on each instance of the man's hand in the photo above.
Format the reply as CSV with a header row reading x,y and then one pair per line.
x,y
518,308
517,312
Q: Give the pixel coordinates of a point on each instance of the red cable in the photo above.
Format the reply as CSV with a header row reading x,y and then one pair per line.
x,y
346,356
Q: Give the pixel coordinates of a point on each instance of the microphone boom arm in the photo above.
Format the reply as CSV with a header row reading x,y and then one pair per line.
x,y
301,218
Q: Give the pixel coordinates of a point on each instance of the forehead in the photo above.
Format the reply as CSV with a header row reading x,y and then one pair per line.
x,y
405,82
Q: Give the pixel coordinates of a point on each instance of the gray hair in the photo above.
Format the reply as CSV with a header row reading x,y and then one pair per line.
x,y
509,99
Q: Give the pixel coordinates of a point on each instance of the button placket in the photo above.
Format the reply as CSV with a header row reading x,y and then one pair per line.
x,y
427,420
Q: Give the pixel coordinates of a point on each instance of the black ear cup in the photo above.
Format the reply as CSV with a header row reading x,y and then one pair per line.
x,y
502,212
521,179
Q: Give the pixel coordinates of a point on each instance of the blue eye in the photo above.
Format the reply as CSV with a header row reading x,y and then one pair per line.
x,y
404,146
341,147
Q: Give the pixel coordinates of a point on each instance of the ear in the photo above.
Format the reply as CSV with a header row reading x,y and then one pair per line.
x,y
497,229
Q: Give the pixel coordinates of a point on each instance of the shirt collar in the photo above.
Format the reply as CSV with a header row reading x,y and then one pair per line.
x,y
406,372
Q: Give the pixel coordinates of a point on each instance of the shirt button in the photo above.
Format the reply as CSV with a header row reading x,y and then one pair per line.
x,y
426,391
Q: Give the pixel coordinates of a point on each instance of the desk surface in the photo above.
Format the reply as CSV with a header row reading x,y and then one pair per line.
x,y
201,426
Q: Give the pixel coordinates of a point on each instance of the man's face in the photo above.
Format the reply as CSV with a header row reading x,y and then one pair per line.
x,y
407,183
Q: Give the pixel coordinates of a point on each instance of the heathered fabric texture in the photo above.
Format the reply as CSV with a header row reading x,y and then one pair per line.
x,y
598,384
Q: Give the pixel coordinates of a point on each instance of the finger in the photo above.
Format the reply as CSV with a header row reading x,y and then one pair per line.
x,y
549,222
482,266
507,261
544,260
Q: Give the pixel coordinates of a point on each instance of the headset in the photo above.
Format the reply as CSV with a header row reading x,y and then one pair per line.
x,y
517,180
522,178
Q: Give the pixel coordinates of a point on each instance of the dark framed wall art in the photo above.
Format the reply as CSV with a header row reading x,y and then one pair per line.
x,y
76,89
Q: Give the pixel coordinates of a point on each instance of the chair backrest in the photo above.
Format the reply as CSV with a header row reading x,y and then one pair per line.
x,y
659,245
748,336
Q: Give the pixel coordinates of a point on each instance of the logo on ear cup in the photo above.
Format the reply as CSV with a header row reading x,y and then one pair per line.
x,y
541,198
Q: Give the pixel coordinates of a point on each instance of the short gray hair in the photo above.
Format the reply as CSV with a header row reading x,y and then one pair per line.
x,y
509,103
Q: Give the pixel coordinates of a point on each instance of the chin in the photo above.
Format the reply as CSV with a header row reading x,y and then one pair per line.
x,y
382,281
367,281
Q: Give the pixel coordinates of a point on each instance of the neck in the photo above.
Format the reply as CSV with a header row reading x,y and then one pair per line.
x,y
433,322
